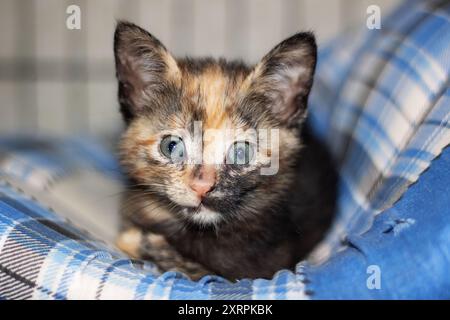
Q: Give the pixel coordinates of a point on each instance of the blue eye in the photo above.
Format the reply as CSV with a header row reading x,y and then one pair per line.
x,y
240,152
172,147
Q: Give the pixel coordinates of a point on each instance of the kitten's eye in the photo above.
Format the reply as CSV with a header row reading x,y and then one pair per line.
x,y
173,148
241,152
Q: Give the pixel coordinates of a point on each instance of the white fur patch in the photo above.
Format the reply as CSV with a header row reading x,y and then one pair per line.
x,y
206,216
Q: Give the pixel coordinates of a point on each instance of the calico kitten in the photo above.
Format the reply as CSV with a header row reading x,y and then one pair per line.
x,y
222,217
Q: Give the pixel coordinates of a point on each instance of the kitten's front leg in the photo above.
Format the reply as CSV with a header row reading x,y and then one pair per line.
x,y
154,247
129,241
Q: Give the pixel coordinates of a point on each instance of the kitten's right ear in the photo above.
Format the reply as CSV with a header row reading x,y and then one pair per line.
x,y
285,76
143,67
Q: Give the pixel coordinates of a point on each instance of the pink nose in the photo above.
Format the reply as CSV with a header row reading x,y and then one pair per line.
x,y
203,180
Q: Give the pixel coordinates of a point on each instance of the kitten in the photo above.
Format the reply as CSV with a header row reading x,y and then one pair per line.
x,y
225,216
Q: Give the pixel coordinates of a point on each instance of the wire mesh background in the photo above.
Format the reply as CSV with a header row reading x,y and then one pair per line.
x,y
60,81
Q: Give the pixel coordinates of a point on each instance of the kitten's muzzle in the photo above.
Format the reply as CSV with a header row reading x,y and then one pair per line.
x,y
203,180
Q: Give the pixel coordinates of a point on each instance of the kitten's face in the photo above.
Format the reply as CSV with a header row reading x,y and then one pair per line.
x,y
200,131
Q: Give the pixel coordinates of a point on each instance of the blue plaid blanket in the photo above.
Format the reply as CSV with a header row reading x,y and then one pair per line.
x,y
380,102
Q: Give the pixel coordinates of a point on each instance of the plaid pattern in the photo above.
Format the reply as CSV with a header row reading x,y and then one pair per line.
x,y
380,102
390,117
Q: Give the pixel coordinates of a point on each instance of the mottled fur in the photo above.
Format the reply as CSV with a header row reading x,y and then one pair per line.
x,y
249,225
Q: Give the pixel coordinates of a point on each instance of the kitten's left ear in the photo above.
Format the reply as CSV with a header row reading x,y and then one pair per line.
x,y
143,67
285,76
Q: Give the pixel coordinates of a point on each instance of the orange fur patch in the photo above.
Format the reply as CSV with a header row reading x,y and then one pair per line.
x,y
148,142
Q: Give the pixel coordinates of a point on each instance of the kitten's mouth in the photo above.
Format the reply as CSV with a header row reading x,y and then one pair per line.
x,y
195,210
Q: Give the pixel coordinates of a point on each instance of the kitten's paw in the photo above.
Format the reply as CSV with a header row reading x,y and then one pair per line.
x,y
156,249
129,241
156,241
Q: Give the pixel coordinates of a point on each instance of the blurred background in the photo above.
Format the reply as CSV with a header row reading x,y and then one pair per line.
x,y
60,81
